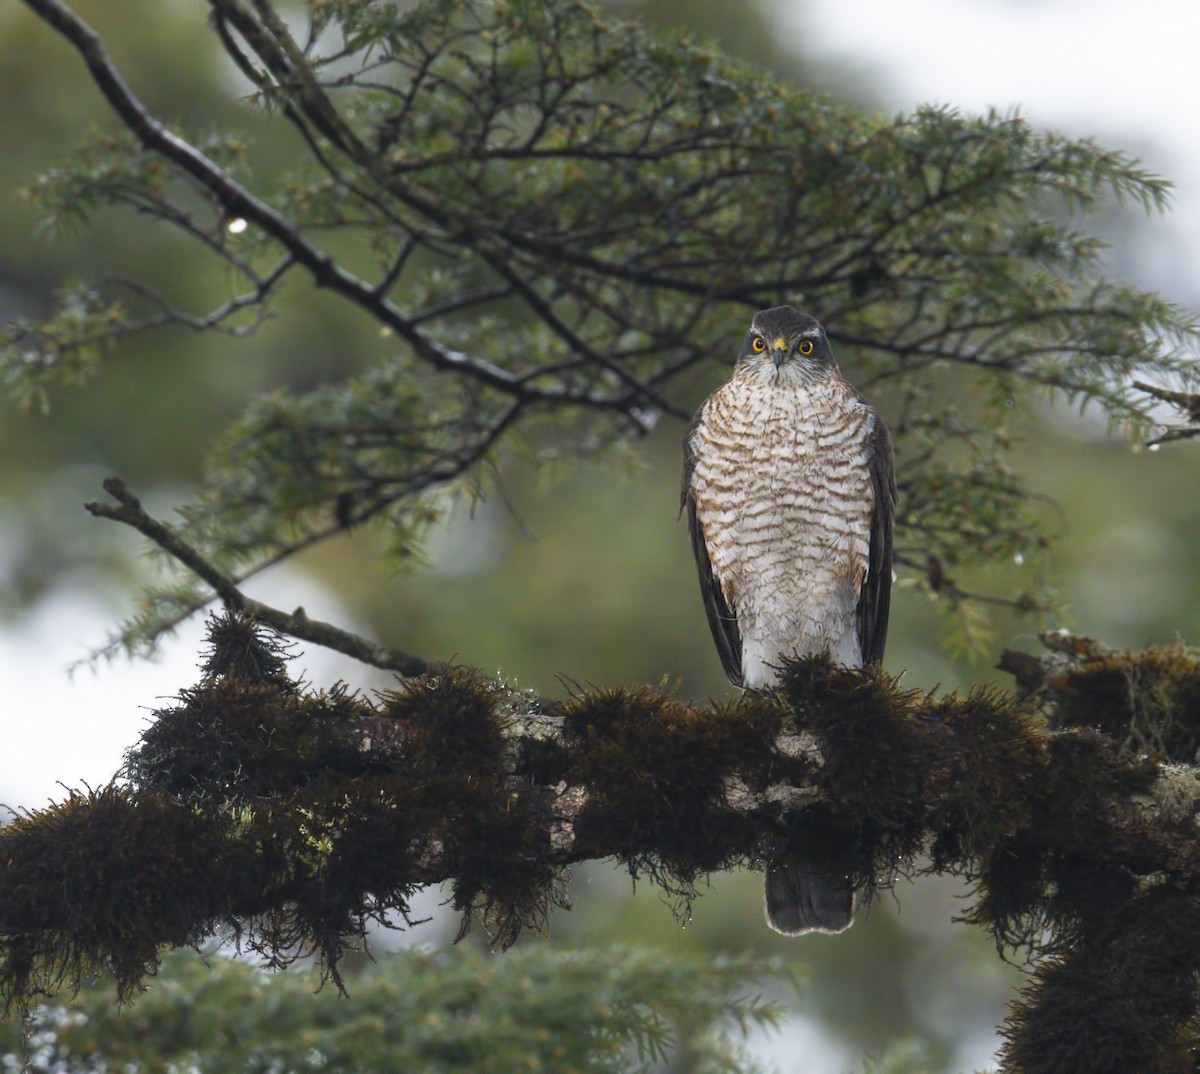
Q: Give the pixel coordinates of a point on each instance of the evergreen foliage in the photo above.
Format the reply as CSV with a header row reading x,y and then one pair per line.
x,y
616,1011
563,215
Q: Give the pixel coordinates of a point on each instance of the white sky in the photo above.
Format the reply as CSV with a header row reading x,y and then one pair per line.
x,y
1125,73
63,731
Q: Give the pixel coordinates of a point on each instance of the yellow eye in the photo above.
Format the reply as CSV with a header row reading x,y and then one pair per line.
x,y
805,347
758,344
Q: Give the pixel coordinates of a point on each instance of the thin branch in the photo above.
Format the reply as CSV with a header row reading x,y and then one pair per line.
x,y
1187,403
403,253
463,301
529,294
239,201
343,522
933,571
297,624
1173,435
216,317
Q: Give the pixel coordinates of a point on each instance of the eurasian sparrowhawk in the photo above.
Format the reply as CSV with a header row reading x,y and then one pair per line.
x,y
789,491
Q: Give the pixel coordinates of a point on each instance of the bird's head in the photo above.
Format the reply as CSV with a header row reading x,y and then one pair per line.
x,y
785,346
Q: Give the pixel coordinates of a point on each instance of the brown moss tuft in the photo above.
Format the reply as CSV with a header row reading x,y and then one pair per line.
x,y
503,875
1076,857
453,722
311,871
1148,701
243,649
101,882
1010,892
879,751
246,740
457,749
1120,1003
986,768
877,754
655,771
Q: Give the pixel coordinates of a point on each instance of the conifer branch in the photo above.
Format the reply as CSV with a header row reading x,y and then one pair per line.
x,y
297,624
238,201
570,215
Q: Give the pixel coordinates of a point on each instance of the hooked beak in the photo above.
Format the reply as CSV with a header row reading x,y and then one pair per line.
x,y
779,352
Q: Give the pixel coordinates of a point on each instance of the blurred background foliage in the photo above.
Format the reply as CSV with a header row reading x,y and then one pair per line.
x,y
589,574
457,1012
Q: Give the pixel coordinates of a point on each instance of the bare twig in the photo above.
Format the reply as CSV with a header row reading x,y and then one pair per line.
x,y
296,624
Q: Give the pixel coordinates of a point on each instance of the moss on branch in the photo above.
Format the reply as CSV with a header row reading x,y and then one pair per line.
x,y
291,818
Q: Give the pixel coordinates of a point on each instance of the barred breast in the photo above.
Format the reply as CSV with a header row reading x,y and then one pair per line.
x,y
784,497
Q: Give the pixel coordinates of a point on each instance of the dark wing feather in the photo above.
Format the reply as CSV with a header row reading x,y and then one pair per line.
x,y
875,599
721,620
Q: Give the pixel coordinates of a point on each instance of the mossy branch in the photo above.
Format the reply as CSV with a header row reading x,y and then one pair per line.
x,y
292,818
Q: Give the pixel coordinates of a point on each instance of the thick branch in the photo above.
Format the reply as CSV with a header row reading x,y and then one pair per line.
x,y
296,817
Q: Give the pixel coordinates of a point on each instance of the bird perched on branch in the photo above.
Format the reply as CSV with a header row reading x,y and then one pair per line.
x,y
789,491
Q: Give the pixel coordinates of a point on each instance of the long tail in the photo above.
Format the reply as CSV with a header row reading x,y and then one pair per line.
x,y
801,898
